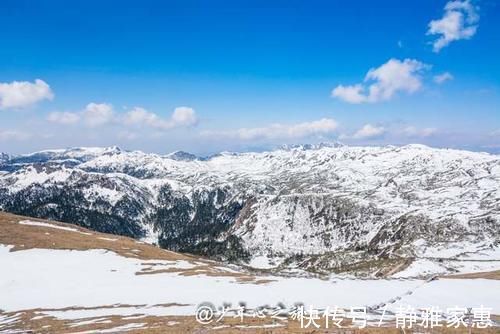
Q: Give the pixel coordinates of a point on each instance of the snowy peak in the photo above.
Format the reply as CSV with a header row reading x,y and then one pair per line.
x,y
288,147
81,154
182,156
318,208
4,157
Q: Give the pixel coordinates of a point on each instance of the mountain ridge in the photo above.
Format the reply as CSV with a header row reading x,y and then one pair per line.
x,y
284,147
326,208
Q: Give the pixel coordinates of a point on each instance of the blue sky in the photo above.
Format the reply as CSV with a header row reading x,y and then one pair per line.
x,y
206,76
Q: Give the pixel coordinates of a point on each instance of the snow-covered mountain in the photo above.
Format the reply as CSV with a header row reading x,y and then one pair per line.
x,y
381,211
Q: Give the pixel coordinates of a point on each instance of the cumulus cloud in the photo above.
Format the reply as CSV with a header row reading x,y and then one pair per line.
x,y
351,94
63,117
9,135
323,126
20,94
96,114
139,116
459,21
184,116
442,78
369,131
181,117
384,82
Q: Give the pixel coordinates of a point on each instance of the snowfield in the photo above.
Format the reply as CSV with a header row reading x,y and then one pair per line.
x,y
56,279
60,279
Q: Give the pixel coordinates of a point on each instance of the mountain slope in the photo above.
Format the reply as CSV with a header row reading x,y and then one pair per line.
x,y
58,278
326,208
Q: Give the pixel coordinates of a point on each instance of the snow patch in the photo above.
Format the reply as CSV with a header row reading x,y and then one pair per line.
x,y
42,224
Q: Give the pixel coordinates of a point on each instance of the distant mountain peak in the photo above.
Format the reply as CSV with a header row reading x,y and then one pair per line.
x,y
4,157
80,154
182,156
288,147
417,146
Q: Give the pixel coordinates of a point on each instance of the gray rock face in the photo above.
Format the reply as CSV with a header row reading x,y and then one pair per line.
x,y
4,157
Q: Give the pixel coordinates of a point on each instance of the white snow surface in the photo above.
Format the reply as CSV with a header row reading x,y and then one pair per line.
x,y
42,224
55,279
262,262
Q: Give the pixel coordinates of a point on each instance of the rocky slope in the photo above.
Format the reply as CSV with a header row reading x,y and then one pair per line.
x,y
327,208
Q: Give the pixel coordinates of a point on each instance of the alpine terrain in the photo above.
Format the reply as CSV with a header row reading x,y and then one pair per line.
x,y
388,211
59,279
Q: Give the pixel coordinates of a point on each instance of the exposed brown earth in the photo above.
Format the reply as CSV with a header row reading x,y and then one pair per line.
x,y
23,237
27,236
487,275
30,323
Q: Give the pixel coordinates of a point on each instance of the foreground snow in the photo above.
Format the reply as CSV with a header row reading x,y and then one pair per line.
x,y
52,280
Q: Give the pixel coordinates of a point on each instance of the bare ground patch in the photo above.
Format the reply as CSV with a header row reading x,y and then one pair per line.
x,y
33,321
486,275
23,237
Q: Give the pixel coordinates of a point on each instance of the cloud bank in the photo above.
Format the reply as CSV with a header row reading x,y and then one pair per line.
x,y
181,117
98,114
279,131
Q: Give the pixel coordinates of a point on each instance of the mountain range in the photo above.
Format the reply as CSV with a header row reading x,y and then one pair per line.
x,y
329,208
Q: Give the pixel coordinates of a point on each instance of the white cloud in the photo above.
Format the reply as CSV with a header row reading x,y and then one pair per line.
x,y
382,83
19,94
181,117
369,131
458,22
139,116
323,126
63,117
96,114
184,116
442,78
411,131
351,94
8,135
495,133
